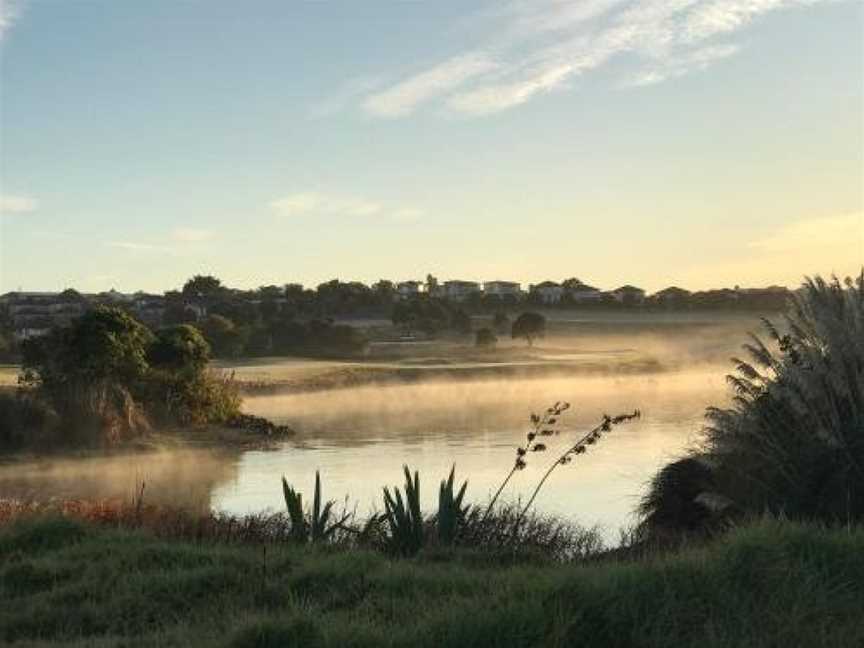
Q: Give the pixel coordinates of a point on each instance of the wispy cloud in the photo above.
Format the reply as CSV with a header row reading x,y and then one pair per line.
x,y
405,96
10,204
134,246
191,234
10,10
697,60
821,245
535,48
314,203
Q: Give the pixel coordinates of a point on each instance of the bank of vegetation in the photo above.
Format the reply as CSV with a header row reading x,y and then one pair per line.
x,y
106,379
291,320
752,539
64,582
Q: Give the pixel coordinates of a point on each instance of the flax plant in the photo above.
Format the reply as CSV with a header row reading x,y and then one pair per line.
x,y
320,523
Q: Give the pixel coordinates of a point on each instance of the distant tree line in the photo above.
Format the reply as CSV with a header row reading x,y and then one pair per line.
x,y
293,320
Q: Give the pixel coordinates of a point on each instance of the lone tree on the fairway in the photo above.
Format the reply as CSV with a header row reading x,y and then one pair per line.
x,y
529,326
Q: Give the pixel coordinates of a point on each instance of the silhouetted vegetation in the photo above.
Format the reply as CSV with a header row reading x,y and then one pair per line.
x,y
792,443
106,378
529,326
485,338
63,581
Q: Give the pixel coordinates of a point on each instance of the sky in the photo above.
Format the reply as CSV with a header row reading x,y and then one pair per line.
x,y
698,143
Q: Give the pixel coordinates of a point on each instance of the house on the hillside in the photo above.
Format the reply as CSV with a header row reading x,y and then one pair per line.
x,y
34,313
502,288
149,308
548,292
629,295
116,297
458,290
408,289
584,294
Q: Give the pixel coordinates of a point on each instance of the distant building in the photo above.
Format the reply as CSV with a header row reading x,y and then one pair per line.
x,y
408,289
200,310
149,309
548,292
34,313
502,288
628,295
460,290
583,293
114,297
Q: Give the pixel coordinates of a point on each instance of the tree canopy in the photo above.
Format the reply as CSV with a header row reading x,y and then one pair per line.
x,y
529,326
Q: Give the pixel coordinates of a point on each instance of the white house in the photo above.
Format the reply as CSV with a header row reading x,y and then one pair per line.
x,y
584,293
502,288
459,290
408,289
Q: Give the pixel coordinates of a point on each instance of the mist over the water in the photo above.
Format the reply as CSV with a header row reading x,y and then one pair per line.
x,y
457,408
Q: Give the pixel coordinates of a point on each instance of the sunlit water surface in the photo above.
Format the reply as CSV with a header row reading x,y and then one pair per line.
x,y
360,438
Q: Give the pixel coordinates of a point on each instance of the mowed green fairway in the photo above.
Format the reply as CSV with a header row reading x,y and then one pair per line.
x,y
770,584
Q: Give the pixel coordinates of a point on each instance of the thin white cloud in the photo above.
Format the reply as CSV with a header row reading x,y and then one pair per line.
x,y
697,60
133,246
191,234
821,245
407,215
535,48
831,234
348,93
404,97
724,16
313,203
10,10
10,204
497,97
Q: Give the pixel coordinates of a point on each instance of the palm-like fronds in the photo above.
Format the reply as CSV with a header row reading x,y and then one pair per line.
x,y
403,516
451,513
316,526
294,504
792,440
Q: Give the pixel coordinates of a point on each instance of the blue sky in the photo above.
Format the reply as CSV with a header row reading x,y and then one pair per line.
x,y
691,142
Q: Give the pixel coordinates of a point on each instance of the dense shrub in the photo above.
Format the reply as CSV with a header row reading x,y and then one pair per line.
x,y
792,442
107,376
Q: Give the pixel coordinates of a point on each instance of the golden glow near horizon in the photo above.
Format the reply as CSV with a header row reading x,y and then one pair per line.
x,y
702,144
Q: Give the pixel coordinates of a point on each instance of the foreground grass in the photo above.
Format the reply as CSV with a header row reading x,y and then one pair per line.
x,y
770,584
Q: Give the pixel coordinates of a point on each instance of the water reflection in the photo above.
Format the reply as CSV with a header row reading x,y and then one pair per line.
x,y
178,477
360,438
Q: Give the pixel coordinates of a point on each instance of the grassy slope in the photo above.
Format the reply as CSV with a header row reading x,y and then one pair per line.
x,y
771,584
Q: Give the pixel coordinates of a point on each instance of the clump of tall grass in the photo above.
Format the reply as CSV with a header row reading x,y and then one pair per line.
x,y
792,441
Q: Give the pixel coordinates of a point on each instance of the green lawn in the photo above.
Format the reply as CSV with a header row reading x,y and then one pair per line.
x,y
771,584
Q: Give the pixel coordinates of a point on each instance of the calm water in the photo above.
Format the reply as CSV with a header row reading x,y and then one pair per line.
x,y
360,438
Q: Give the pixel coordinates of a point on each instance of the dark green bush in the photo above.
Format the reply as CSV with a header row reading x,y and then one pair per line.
x,y
792,442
